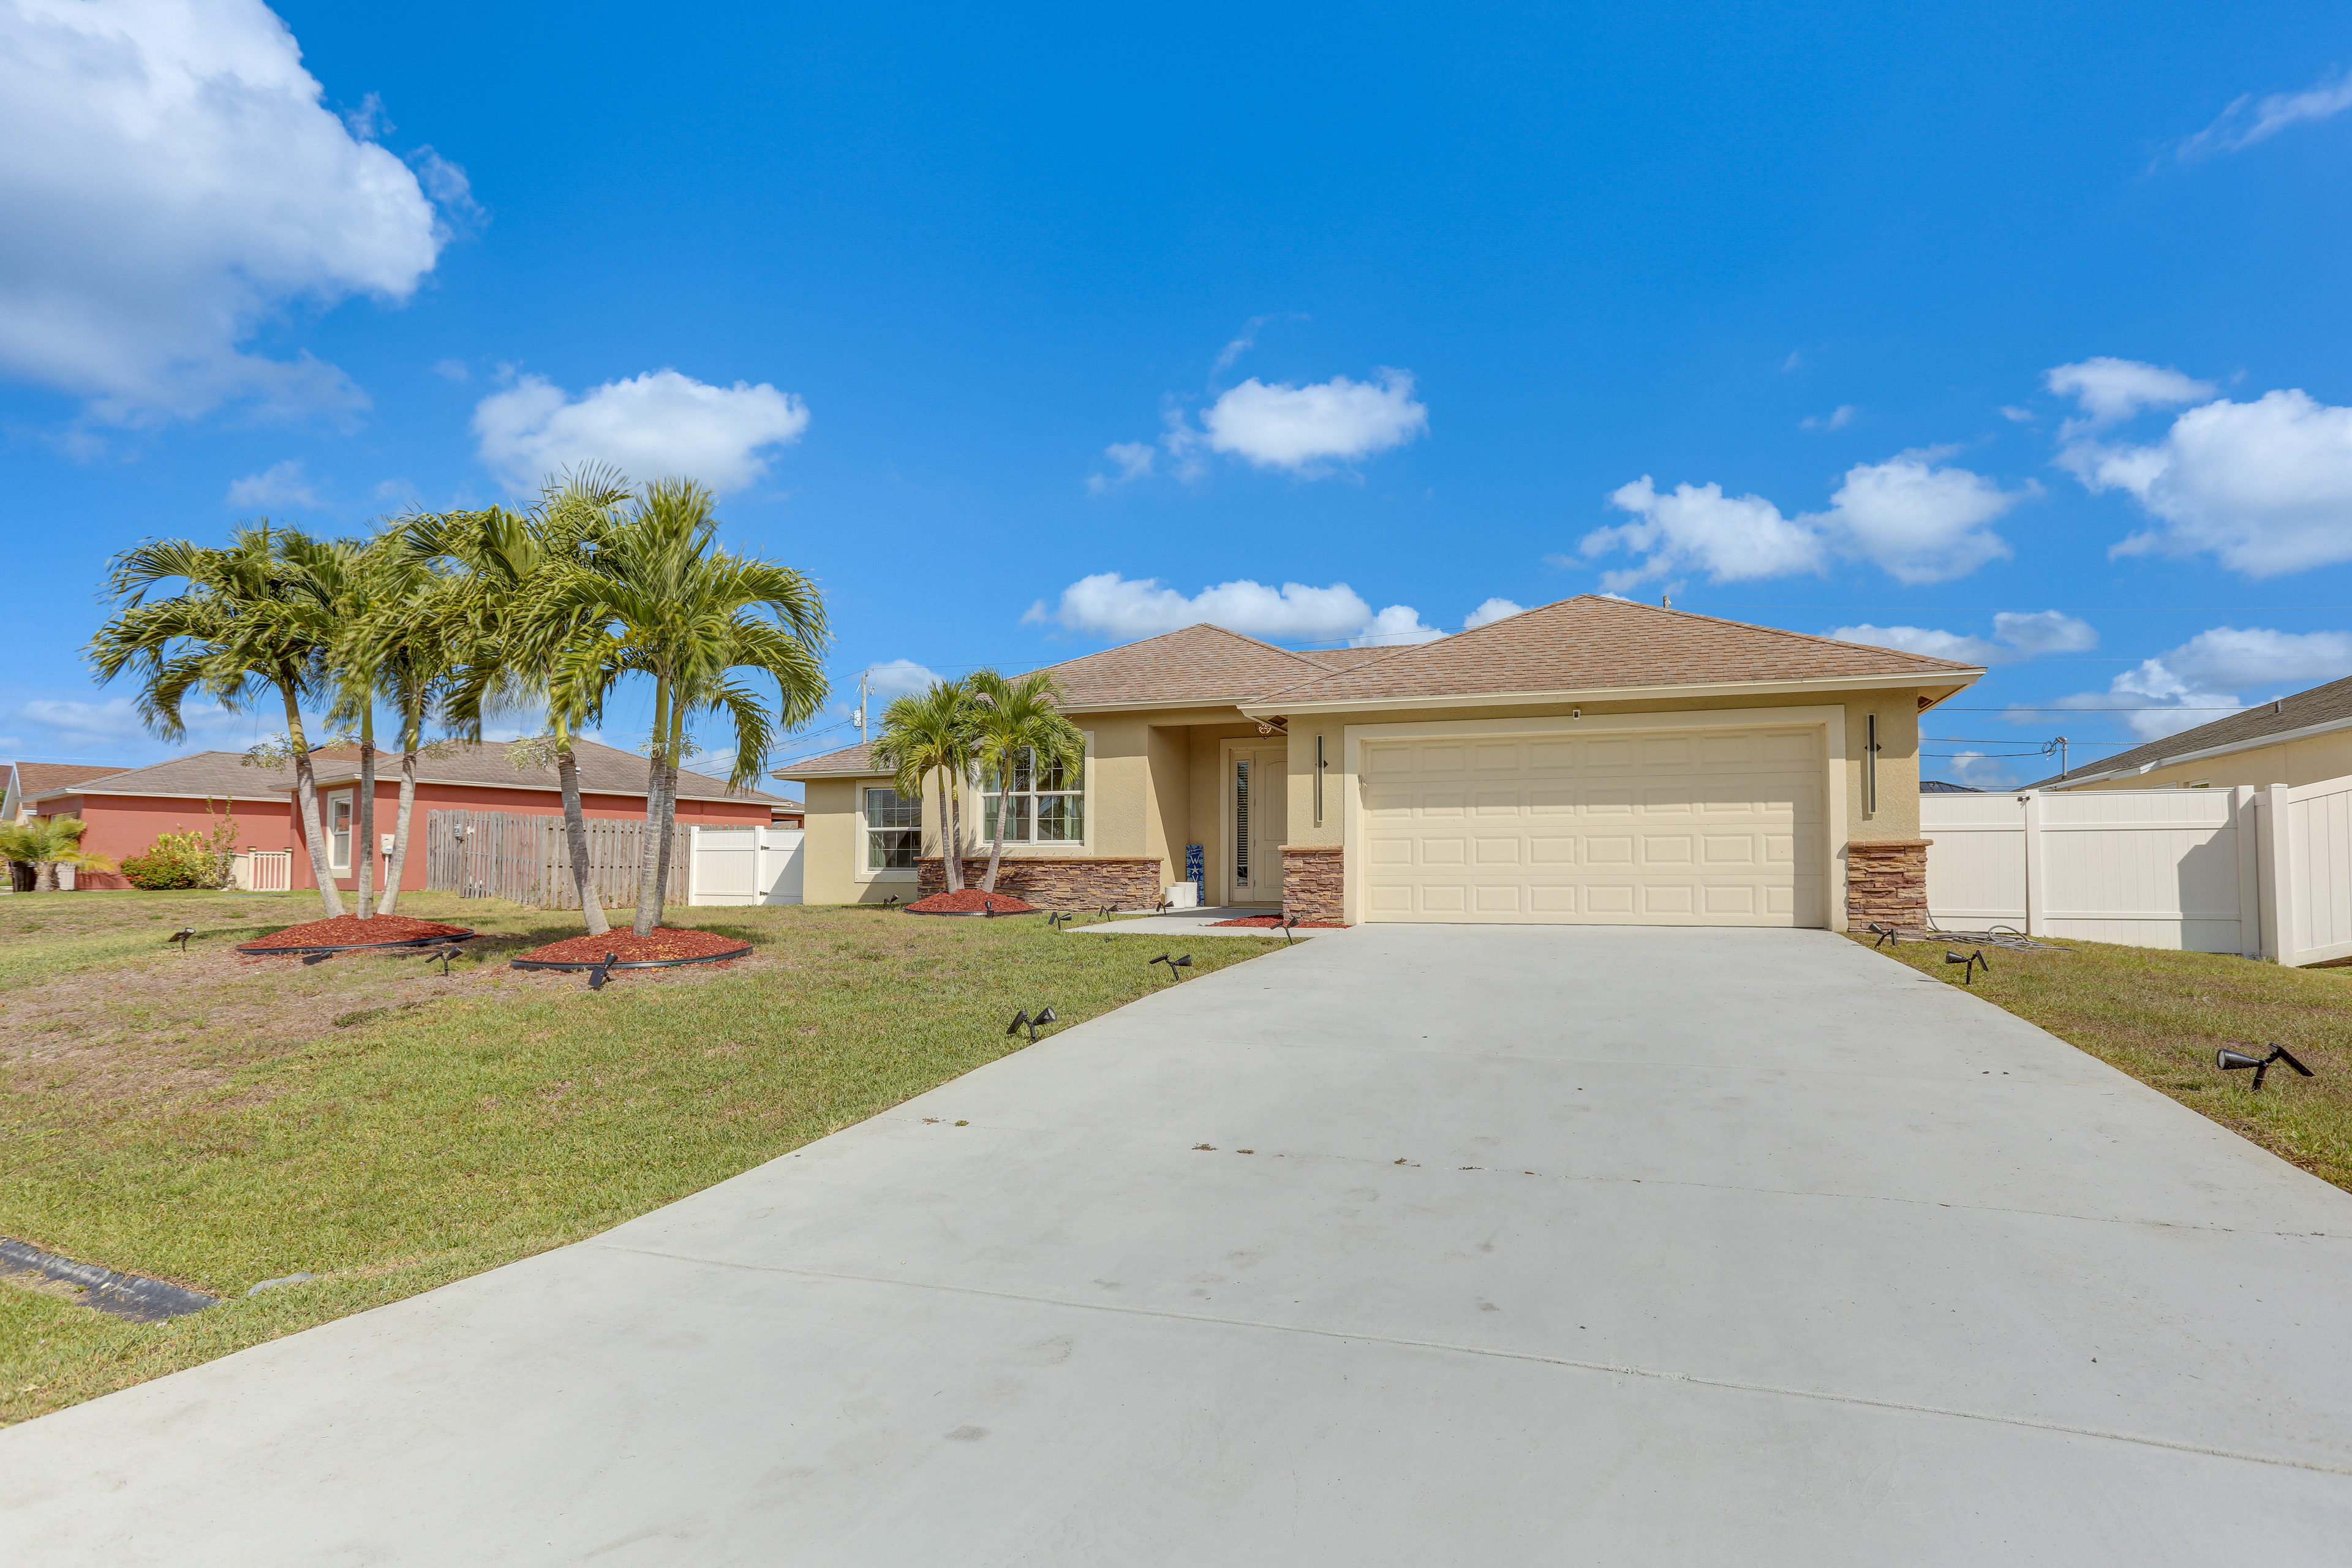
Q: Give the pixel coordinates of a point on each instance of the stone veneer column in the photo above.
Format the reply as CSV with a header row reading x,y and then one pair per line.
x,y
1061,882
1314,883
1887,880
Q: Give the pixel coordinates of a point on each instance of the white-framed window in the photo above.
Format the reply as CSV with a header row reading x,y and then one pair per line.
x,y
893,828
1048,805
338,832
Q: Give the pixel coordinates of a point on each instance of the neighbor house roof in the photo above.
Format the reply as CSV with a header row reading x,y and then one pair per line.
x,y
604,769
2312,712
223,775
848,760
37,779
1594,642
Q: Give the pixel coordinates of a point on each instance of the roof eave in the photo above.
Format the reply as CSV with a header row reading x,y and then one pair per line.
x,y
1956,680
340,780
2272,738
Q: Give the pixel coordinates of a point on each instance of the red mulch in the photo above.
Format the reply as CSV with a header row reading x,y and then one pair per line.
x,y
630,948
1275,922
349,930
969,901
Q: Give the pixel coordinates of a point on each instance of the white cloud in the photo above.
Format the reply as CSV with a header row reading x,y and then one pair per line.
x,y
1837,418
452,370
279,485
898,678
2264,487
2110,389
171,182
1393,627
2037,632
2015,415
659,425
1924,640
66,725
1112,606
1305,429
1796,360
1974,769
2251,119
2016,635
1918,521
1133,458
2199,680
1490,612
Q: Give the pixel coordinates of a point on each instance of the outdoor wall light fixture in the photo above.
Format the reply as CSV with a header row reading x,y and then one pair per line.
x,y
182,936
1025,1020
1173,965
2229,1060
1974,960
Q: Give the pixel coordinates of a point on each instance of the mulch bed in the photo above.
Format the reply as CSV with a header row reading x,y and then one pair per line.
x,y
1275,922
627,947
971,901
349,930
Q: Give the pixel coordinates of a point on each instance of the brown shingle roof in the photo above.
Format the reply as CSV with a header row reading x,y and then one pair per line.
x,y
220,774
1344,657
604,769
1199,664
2320,705
848,760
1594,642
42,778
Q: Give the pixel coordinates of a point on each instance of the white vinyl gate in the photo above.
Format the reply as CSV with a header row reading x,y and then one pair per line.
x,y
744,866
2265,873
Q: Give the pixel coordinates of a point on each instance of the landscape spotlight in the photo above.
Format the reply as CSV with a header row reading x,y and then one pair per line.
x,y
1173,965
1288,921
1059,918
1024,1019
2229,1060
1884,933
601,970
182,936
1975,961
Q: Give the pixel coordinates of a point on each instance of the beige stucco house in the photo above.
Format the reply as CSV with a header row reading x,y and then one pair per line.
x,y
2297,739
1590,761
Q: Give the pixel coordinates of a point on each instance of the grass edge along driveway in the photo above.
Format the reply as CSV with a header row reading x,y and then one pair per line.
x,y
2160,1015
416,1131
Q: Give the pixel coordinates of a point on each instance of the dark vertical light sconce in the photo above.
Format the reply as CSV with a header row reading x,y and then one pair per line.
x,y
1870,765
1319,765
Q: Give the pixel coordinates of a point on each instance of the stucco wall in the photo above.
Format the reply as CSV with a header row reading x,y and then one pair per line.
x,y
2320,757
124,824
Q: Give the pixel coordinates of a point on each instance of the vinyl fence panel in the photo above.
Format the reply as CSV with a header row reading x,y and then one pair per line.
x,y
1976,867
745,865
2308,863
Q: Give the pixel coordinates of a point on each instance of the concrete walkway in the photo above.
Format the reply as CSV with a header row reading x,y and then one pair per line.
x,y
1417,1245
1200,922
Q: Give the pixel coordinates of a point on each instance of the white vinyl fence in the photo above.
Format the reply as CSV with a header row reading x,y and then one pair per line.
x,y
744,866
2263,873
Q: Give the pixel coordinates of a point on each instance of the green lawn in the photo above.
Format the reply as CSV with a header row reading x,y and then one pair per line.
x,y
2160,1015
217,1120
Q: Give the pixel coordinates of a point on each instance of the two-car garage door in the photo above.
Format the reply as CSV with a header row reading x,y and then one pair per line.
x,y
1688,828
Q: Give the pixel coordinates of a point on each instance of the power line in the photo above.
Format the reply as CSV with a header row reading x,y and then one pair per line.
x,y
2185,708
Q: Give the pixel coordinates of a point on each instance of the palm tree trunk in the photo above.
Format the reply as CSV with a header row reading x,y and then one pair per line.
x,y
575,838
649,851
45,876
306,794
1004,810
363,859
950,831
400,825
669,798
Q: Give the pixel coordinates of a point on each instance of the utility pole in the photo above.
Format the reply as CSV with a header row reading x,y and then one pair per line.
x,y
861,700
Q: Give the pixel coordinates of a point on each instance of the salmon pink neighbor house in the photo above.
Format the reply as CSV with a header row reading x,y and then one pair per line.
x,y
126,810
1592,760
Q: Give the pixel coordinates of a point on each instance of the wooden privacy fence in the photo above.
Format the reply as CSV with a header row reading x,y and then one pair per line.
x,y
514,855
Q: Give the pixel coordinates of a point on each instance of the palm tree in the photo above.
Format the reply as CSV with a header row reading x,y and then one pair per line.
x,y
398,648
44,843
1020,727
671,606
510,627
930,734
350,584
247,621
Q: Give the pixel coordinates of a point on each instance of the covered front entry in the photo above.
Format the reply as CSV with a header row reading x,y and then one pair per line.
x,y
1702,827
1257,785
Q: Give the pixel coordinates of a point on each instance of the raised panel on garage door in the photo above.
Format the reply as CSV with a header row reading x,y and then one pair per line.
x,y
1688,827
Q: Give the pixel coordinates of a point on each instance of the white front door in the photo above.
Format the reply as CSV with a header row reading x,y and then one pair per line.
x,y
1695,827
1257,795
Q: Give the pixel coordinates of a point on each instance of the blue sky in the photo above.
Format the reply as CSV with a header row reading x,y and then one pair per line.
x,y
2013,332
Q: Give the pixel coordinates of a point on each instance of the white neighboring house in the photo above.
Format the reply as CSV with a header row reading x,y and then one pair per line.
x,y
2299,740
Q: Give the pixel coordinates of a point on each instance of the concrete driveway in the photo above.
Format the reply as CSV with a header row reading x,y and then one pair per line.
x,y
1413,1246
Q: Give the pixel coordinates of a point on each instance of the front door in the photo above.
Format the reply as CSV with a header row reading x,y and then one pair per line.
x,y
1258,793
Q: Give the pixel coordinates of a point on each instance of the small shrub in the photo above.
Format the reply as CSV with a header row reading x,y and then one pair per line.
x,y
189,859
